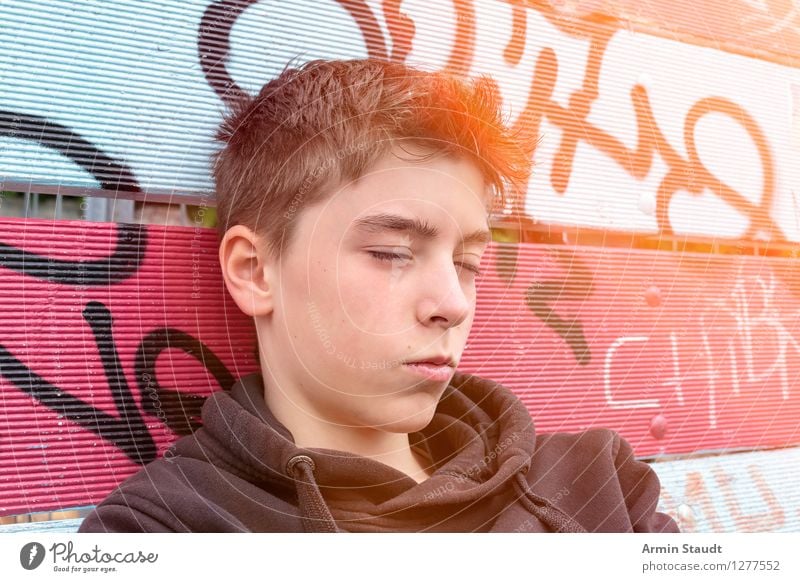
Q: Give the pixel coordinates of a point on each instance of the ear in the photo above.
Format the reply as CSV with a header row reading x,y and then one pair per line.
x,y
247,272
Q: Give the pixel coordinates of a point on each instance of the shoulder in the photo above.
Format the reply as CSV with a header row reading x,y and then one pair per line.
x,y
161,497
591,453
600,443
596,477
185,494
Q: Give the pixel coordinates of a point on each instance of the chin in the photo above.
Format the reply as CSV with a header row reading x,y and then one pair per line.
x,y
415,420
406,426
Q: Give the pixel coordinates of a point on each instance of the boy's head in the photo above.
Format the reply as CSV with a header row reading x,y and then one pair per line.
x,y
353,199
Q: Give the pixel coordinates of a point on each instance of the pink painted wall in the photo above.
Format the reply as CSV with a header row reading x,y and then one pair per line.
x,y
114,334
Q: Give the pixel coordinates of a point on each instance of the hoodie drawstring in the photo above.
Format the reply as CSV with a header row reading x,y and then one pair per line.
x,y
314,512
543,509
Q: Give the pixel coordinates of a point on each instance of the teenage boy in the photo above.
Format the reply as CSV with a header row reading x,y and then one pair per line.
x,y
353,199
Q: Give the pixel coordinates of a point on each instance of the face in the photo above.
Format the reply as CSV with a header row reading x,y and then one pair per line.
x,y
360,294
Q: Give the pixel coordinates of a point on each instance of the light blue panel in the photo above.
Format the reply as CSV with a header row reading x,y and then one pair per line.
x,y
126,77
134,89
43,527
742,492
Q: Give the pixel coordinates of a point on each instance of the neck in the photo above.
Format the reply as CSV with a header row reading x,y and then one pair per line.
x,y
310,431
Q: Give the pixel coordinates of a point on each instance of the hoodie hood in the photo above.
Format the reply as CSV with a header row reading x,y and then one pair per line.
x,y
480,443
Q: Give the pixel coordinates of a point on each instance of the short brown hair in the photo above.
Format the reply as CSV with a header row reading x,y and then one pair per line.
x,y
328,121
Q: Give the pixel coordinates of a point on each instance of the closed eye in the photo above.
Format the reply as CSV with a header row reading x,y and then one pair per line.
x,y
381,256
387,257
472,268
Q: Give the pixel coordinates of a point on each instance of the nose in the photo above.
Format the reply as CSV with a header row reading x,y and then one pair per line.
x,y
445,299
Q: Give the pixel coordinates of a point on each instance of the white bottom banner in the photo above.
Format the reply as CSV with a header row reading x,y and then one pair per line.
x,y
371,557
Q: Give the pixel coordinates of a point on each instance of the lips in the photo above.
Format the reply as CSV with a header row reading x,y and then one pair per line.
x,y
434,372
436,367
435,361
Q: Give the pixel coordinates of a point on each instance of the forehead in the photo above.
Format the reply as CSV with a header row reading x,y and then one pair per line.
x,y
416,197
419,228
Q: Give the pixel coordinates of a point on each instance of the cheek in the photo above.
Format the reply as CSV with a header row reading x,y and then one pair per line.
x,y
307,297
354,286
465,328
349,302
367,308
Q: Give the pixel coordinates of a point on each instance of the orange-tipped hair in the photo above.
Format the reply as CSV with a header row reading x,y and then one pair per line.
x,y
327,122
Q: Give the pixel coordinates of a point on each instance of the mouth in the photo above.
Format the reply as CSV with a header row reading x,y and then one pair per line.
x,y
437,360
439,369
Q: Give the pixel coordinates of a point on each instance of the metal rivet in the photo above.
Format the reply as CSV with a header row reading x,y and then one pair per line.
x,y
298,459
658,426
653,296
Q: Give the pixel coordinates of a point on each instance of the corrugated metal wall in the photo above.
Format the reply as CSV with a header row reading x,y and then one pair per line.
x,y
112,337
641,132
671,126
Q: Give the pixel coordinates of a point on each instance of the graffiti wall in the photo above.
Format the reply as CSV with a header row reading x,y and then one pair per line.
x,y
113,335
682,354
656,118
650,121
116,334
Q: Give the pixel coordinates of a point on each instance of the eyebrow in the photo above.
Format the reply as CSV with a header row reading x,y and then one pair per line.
x,y
378,223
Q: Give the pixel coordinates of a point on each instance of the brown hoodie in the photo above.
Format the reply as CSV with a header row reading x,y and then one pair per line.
x,y
242,472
